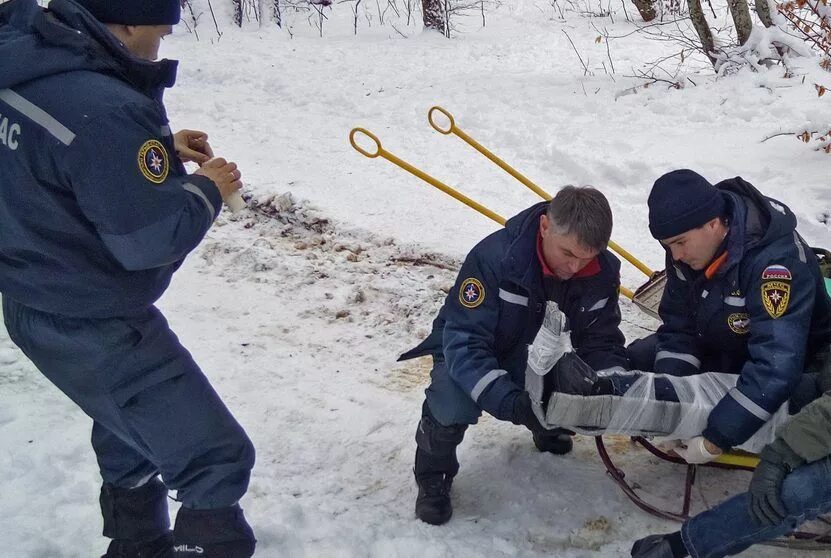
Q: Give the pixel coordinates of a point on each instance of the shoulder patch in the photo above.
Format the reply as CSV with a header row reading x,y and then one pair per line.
x,y
776,273
471,293
153,161
739,323
775,297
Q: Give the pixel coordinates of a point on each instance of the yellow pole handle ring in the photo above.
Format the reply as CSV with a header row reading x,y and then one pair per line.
x,y
378,149
452,123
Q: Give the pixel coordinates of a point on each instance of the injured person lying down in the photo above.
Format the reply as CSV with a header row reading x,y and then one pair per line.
x,y
567,393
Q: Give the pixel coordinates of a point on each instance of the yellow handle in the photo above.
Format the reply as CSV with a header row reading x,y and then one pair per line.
x,y
361,150
450,127
738,459
381,152
626,255
453,129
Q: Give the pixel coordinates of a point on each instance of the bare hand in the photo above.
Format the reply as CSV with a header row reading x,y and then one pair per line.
x,y
224,174
192,145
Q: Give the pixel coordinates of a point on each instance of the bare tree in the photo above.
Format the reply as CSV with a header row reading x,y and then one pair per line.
x,y
433,12
741,18
763,11
702,28
276,14
646,8
238,12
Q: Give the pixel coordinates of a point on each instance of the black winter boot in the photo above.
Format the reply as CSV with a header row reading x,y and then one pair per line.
x,y
435,466
217,533
433,504
660,546
557,441
158,548
137,521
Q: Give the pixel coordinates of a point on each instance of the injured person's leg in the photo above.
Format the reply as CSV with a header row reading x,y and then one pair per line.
x,y
567,393
618,383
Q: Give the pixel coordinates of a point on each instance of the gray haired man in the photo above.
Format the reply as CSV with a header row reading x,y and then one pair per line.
x,y
479,343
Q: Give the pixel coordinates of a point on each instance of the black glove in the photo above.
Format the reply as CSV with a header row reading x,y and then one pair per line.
x,y
524,415
777,461
572,375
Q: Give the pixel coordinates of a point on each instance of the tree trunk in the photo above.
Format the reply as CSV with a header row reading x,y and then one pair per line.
x,y
741,18
701,27
238,12
433,11
646,8
276,14
763,11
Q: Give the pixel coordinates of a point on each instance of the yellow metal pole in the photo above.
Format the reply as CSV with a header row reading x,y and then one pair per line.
x,y
630,258
383,153
738,459
451,128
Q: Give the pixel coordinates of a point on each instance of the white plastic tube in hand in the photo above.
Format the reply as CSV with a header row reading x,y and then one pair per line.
x,y
235,202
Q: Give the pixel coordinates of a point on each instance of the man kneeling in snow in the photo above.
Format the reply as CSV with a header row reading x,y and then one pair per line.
x,y
479,344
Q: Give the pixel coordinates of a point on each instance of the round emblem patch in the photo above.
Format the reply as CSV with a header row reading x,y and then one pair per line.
x,y
471,293
739,323
152,161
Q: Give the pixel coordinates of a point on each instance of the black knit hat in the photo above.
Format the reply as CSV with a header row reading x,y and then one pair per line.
x,y
680,201
134,12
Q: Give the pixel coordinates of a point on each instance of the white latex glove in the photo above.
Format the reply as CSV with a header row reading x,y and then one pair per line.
x,y
694,451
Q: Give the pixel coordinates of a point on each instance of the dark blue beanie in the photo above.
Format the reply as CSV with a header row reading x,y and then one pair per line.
x,y
680,201
134,12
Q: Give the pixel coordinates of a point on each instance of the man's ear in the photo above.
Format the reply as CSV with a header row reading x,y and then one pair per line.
x,y
544,224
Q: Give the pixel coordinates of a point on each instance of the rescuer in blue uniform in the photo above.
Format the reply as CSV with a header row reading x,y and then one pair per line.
x,y
744,295
479,343
96,213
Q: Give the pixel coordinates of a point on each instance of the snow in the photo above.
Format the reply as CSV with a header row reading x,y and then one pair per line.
x,y
298,311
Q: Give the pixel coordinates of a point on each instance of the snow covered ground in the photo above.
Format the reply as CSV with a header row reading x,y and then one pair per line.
x,y
298,311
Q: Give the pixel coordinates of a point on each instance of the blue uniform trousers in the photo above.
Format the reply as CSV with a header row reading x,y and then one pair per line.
x,y
449,403
728,528
154,411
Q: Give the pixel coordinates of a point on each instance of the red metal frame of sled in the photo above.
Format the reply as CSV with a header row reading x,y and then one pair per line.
x,y
797,539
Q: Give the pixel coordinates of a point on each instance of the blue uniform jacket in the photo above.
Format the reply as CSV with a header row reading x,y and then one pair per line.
x,y
96,210
497,305
763,314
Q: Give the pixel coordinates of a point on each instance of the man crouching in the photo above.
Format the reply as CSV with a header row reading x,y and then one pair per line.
x,y
479,343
